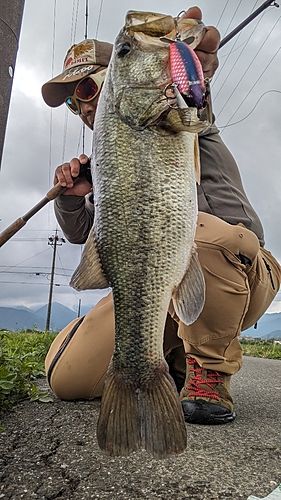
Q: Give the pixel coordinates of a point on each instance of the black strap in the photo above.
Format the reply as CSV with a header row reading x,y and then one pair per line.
x,y
62,348
268,268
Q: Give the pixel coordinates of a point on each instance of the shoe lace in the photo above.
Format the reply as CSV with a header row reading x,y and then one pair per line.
x,y
198,386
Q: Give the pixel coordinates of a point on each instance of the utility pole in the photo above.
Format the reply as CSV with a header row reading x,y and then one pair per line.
x,y
11,12
54,241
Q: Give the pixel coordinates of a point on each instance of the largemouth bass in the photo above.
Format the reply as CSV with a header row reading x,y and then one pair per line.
x,y
142,240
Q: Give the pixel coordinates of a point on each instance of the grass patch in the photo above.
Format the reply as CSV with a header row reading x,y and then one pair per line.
x,y
22,357
261,348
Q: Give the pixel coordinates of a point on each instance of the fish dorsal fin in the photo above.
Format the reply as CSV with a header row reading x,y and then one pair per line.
x,y
188,299
89,274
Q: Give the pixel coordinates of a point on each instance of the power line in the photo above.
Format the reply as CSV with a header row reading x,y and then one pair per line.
x,y
79,140
253,86
51,110
86,18
74,20
229,24
248,67
23,240
223,10
99,18
54,37
223,56
73,23
34,273
252,110
36,267
86,36
229,54
66,115
238,57
37,230
32,256
65,275
29,283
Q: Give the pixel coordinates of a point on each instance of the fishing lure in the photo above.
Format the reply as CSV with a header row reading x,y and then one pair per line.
x,y
187,73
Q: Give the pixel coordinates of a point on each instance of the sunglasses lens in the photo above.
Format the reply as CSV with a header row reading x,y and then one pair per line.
x,y
87,89
71,105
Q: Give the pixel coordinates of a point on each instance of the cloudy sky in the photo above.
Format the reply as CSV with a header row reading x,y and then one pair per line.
x,y
247,102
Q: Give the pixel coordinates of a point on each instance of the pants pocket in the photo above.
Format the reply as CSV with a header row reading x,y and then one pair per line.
x,y
264,281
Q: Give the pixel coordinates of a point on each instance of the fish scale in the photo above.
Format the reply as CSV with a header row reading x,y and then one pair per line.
x,y
142,245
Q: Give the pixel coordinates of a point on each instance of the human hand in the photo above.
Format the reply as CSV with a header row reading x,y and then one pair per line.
x,y
66,173
208,47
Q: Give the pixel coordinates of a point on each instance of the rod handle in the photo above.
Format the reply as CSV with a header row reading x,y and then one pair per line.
x,y
11,230
55,191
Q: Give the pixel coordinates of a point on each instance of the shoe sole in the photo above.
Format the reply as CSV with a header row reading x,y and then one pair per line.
x,y
209,420
202,414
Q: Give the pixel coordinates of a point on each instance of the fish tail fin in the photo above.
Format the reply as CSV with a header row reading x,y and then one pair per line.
x,y
147,416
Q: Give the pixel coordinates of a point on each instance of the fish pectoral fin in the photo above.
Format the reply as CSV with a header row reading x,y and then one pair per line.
x,y
89,274
189,297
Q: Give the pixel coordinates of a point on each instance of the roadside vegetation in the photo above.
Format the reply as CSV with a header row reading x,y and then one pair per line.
x,y
261,348
22,357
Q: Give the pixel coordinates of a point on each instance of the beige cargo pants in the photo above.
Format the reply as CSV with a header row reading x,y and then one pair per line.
x,y
241,281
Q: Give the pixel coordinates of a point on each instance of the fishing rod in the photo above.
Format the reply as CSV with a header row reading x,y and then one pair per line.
x,y
52,194
250,18
57,190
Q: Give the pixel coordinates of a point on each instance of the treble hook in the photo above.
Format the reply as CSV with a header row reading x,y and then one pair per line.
x,y
178,37
169,93
181,12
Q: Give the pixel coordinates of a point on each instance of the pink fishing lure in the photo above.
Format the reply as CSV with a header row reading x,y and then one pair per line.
x,y
187,73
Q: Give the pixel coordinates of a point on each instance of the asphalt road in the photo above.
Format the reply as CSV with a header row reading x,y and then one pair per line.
x,y
49,451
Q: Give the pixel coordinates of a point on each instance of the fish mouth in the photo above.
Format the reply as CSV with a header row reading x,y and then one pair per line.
x,y
155,106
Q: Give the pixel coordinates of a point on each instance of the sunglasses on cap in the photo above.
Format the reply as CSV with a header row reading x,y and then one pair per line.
x,y
86,89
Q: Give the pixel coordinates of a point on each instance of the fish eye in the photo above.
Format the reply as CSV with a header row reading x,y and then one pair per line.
x,y
189,40
123,49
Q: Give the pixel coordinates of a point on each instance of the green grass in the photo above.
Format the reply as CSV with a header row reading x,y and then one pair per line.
x,y
22,357
261,348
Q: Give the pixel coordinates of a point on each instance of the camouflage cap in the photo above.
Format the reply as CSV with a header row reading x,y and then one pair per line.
x,y
81,59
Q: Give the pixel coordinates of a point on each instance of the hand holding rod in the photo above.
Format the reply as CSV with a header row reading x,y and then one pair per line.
x,y
50,195
21,221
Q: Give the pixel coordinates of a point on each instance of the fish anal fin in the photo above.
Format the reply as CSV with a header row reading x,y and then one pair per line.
x,y
147,417
189,297
89,274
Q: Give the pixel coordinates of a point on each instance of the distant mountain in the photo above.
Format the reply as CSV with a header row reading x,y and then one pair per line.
x,y
19,318
15,318
60,315
268,327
